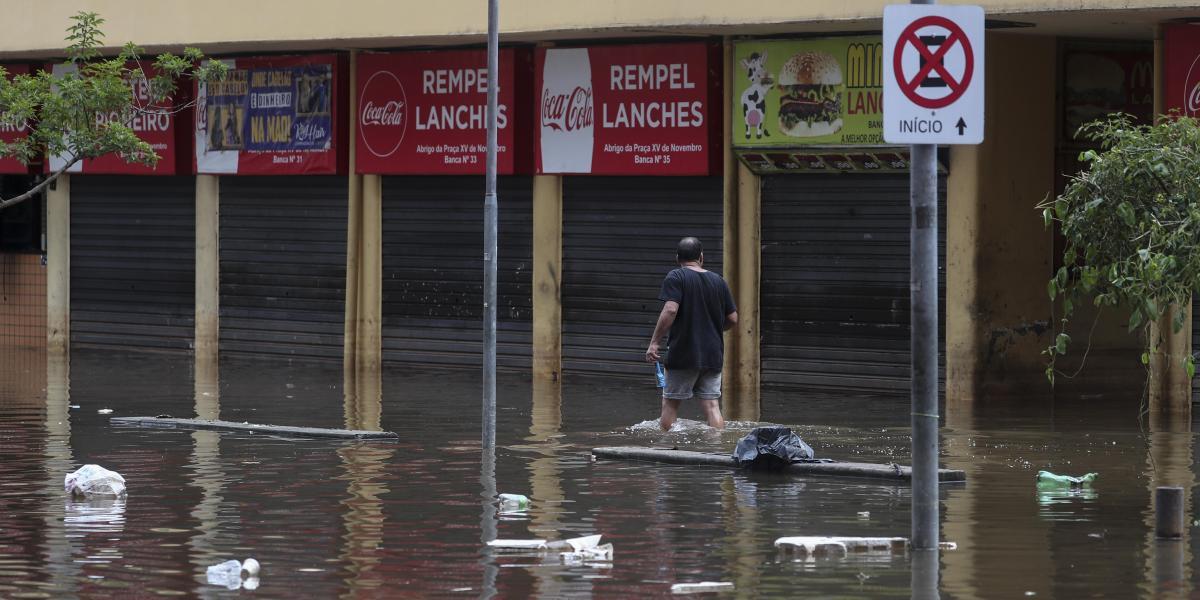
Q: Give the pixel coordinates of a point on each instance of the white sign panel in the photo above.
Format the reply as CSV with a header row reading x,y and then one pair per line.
x,y
933,74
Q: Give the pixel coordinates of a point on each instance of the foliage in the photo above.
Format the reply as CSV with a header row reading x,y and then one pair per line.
x,y
1132,225
87,111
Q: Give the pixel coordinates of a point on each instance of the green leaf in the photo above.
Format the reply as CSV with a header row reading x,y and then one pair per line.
x,y
1125,212
1060,343
1047,217
1050,374
1145,358
1135,319
1190,365
1052,288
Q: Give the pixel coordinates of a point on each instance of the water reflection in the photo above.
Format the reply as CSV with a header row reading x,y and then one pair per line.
x,y
1169,462
410,518
364,466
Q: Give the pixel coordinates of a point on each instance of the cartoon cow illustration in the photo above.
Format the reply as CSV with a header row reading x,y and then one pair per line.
x,y
754,98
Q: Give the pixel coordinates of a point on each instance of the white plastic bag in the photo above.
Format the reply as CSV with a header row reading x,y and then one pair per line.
x,y
229,574
94,481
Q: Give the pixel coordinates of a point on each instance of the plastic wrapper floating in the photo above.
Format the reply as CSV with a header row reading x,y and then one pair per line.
x,y
94,481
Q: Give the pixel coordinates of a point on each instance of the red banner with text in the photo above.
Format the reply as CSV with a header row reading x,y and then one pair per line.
x,y
425,113
1181,69
153,123
644,109
10,132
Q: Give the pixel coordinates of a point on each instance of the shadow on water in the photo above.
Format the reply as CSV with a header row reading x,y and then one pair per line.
x,y
410,518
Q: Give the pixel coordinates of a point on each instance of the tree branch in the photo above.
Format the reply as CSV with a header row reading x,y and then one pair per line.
x,y
37,189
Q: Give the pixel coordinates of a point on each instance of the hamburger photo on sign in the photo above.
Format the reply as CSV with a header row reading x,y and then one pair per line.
x,y
810,95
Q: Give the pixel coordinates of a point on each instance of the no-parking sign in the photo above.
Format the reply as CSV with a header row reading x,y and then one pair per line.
x,y
933,74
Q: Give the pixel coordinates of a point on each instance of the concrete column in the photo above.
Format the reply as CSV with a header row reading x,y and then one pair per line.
x,y
742,248
999,254
1170,387
353,230
547,277
744,403
58,265
208,261
370,279
729,201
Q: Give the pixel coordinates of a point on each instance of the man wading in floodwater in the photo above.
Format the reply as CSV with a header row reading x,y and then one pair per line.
x,y
697,307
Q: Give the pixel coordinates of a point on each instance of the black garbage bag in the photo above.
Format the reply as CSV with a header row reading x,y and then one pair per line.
x,y
771,448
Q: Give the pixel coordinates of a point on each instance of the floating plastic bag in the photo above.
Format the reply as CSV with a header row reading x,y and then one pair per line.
x,y
229,574
1048,481
771,447
513,503
94,481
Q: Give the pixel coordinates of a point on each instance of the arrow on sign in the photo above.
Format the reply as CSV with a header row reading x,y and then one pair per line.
x,y
961,125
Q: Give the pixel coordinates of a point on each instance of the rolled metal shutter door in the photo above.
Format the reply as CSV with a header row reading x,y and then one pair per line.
x,y
433,271
133,262
835,283
283,266
619,238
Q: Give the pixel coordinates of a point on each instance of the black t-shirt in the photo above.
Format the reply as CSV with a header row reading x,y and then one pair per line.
x,y
704,301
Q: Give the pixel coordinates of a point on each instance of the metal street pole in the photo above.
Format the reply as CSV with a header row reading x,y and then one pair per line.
x,y
923,236
490,218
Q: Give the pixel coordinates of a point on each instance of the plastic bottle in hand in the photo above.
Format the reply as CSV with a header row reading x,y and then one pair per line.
x,y
660,374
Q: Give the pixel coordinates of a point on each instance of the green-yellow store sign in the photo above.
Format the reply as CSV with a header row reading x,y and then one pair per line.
x,y
826,92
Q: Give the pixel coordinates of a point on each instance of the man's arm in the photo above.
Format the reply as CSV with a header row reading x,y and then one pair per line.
x,y
730,320
665,319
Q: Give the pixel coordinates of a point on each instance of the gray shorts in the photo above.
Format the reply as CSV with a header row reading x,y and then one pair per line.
x,y
682,384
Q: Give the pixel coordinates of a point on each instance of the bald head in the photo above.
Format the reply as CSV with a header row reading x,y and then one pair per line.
x,y
689,249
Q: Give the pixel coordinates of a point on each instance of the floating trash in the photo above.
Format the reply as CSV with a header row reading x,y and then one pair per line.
x,y
229,574
513,503
702,587
94,481
105,411
864,514
1048,480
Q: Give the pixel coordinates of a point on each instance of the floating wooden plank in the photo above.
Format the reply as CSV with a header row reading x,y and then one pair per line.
x,y
833,469
308,432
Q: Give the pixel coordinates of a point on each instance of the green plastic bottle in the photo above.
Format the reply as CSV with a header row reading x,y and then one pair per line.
x,y
1049,481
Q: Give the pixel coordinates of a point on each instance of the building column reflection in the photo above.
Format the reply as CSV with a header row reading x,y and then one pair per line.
x,y
208,474
739,503
364,464
545,476
1169,462
59,461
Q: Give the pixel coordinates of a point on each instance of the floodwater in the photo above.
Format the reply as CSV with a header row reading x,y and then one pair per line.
x,y
406,519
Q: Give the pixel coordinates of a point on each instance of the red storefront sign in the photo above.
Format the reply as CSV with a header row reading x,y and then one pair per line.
x,y
628,110
277,115
154,124
423,113
10,133
1181,69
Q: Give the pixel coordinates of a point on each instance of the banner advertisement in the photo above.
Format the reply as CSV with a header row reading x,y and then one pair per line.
x,y
1101,79
270,116
1181,68
11,133
628,110
826,92
425,113
154,125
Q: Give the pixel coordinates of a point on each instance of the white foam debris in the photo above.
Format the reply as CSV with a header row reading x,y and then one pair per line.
x,y
841,545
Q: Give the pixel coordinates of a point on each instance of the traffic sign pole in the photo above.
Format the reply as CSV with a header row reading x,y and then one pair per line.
x,y
923,297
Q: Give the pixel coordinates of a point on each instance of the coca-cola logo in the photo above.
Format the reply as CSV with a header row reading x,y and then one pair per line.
x,y
383,116
567,111
1191,89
